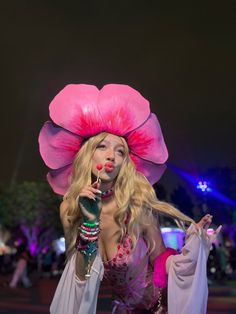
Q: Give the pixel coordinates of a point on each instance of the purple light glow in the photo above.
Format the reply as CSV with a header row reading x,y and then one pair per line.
x,y
33,248
173,237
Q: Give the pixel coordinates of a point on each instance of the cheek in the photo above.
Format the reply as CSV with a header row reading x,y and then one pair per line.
x,y
119,165
94,166
120,161
98,156
94,163
95,160
94,171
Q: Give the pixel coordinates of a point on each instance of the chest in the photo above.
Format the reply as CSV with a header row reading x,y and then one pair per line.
x,y
109,236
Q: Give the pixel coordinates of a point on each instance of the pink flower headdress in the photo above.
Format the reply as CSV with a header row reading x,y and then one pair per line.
x,y
81,111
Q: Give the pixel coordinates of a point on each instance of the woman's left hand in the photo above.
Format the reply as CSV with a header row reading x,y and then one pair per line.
x,y
204,224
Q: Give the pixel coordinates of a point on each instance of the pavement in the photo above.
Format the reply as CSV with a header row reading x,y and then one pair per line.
x,y
222,297
36,300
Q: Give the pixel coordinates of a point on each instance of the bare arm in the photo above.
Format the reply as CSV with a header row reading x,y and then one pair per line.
x,y
154,233
64,219
81,263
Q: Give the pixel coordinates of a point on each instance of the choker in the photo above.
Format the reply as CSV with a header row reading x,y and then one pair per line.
x,y
107,193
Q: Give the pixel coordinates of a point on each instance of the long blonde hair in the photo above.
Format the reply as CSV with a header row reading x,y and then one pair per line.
x,y
134,195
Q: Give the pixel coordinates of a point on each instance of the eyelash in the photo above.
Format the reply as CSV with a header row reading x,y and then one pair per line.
x,y
120,151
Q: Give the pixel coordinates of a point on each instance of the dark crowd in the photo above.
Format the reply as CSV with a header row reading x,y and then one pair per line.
x,y
20,268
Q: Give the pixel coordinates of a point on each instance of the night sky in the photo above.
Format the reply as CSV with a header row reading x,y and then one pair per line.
x,y
179,55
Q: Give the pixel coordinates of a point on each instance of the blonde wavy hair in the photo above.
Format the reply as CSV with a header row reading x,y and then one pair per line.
x,y
134,195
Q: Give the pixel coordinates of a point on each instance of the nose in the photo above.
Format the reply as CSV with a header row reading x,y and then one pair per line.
x,y
111,155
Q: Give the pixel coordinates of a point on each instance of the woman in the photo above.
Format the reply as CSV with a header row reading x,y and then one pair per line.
x,y
104,156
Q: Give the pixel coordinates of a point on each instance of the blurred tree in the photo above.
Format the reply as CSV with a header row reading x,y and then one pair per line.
x,y
33,207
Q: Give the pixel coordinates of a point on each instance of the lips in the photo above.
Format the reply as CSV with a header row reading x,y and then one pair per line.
x,y
109,167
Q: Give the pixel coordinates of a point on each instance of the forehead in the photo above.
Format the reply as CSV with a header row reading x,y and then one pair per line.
x,y
114,139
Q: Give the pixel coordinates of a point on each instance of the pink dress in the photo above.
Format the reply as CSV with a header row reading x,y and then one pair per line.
x,y
131,280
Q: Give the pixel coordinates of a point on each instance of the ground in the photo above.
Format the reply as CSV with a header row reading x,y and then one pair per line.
x,y
36,300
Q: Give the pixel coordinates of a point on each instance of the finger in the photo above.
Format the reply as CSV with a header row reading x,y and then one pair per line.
x,y
87,189
217,231
208,223
96,185
215,234
88,194
206,217
202,220
205,221
86,213
90,190
94,190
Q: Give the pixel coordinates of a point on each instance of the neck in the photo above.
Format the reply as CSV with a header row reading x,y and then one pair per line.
x,y
107,190
106,186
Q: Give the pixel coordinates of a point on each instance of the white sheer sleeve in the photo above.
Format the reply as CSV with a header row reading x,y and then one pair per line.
x,y
187,276
74,296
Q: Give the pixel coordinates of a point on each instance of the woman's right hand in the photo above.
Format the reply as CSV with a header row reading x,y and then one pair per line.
x,y
90,202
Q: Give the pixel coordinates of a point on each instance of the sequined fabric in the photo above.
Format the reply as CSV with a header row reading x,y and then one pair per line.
x,y
131,277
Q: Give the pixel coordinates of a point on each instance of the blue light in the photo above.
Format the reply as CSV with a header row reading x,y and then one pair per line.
x,y
204,186
188,177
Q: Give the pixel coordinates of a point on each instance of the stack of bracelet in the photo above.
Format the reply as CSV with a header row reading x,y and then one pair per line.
x,y
87,241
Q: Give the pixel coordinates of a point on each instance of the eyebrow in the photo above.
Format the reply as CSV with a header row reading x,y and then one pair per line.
x,y
116,145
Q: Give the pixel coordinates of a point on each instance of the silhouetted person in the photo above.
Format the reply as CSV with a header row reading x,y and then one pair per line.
x,y
20,273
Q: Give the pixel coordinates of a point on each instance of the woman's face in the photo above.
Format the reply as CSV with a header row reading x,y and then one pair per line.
x,y
112,151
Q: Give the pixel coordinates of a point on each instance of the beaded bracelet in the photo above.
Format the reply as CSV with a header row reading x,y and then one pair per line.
x,y
88,239
86,242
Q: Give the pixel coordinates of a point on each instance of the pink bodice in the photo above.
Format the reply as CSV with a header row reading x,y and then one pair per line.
x,y
131,276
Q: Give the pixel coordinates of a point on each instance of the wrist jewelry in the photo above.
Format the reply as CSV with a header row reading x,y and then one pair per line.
x,y
87,241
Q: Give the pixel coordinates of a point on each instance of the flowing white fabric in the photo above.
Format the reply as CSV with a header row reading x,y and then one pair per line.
x,y
187,281
187,275
74,296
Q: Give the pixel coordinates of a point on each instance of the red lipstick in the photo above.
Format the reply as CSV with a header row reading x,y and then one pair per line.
x,y
109,167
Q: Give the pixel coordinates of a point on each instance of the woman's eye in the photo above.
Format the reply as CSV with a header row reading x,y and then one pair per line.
x,y
121,152
101,146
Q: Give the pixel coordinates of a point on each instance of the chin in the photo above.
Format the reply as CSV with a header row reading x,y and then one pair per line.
x,y
107,179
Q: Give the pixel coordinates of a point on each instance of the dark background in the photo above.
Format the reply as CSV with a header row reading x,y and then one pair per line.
x,y
179,55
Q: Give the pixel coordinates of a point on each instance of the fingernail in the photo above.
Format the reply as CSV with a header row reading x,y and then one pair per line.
x,y
98,191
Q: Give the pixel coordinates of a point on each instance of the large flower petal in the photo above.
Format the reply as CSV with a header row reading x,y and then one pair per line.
x,y
151,171
57,146
60,179
75,109
81,111
122,108
147,141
